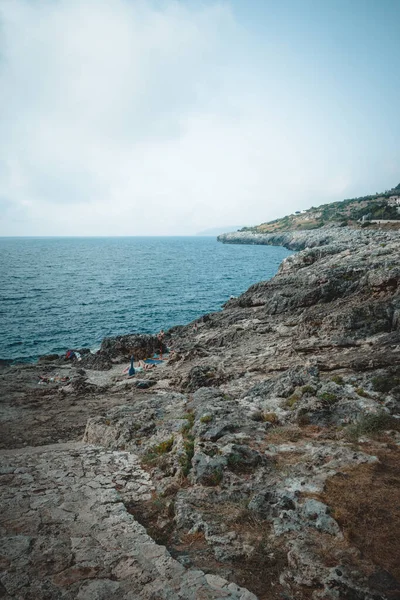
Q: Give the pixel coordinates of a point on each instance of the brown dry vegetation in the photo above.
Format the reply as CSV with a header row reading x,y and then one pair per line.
x,y
366,503
258,571
293,433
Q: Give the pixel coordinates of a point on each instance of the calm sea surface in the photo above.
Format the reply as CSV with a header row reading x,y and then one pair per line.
x,y
57,293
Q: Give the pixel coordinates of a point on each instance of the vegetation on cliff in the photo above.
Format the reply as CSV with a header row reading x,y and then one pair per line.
x,y
345,212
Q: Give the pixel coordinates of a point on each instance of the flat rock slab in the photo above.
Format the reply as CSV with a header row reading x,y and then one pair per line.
x,y
67,535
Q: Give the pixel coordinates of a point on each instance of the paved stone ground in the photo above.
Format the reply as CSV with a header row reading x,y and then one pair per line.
x,y
66,533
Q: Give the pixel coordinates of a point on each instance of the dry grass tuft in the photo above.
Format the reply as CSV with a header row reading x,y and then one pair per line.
x,y
192,541
292,433
282,435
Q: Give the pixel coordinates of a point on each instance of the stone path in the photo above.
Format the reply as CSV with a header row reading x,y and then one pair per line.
x,y
66,533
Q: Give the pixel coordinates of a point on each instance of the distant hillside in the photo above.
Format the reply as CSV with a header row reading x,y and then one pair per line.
x,y
346,212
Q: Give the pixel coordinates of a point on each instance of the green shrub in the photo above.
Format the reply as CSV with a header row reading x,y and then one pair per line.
x,y
361,392
155,452
189,417
212,451
239,463
163,447
328,398
372,424
308,389
337,379
385,383
206,419
291,401
185,460
257,416
214,478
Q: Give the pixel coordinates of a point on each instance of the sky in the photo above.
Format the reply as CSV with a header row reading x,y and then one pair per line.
x,y
166,117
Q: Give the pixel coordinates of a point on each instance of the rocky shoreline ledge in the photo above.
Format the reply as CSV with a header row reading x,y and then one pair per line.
x,y
301,239
261,460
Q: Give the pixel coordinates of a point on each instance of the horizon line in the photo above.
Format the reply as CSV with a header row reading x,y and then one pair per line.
x,y
105,236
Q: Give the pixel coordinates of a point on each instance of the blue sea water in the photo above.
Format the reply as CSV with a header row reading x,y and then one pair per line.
x,y
57,293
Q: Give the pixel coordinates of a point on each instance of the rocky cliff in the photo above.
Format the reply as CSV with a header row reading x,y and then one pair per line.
x,y
259,461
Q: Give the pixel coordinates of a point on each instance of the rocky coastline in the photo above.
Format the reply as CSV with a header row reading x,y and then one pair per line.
x,y
260,460
293,240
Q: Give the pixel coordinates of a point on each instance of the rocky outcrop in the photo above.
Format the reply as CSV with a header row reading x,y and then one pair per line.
x,y
119,349
139,345
262,461
293,240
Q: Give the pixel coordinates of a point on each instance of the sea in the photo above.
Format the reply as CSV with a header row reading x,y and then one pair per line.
x,y
61,293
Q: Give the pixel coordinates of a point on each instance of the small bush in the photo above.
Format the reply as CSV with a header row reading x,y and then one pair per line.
x,y
185,459
159,450
189,417
214,478
235,461
361,392
149,458
308,389
163,447
270,418
212,451
328,398
206,419
371,424
257,416
337,379
291,401
385,383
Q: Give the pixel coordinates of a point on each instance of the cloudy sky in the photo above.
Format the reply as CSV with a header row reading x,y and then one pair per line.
x,y
166,117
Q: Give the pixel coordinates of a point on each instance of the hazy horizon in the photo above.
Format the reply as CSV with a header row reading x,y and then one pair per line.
x,y
168,118
103,236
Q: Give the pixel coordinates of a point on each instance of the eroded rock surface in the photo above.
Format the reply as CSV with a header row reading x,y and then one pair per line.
x,y
66,532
